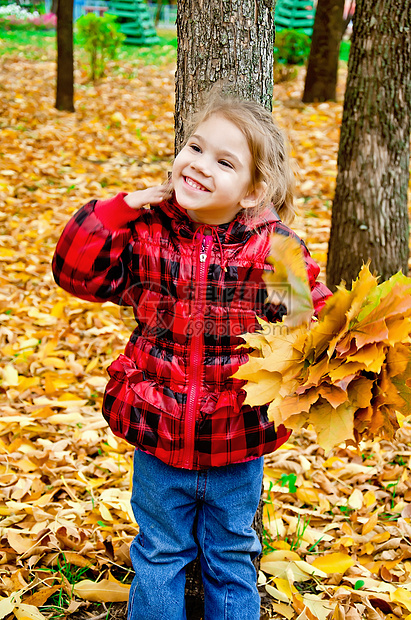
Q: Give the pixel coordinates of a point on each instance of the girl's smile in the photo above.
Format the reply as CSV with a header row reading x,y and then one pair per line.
x,y
212,173
193,184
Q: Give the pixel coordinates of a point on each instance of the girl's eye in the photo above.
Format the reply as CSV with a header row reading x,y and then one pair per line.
x,y
195,148
223,162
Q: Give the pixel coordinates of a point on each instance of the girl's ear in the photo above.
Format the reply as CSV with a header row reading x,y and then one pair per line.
x,y
255,197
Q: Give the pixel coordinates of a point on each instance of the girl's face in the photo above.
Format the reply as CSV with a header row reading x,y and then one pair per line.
x,y
212,173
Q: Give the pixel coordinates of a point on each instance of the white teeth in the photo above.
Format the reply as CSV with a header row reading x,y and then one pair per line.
x,y
193,184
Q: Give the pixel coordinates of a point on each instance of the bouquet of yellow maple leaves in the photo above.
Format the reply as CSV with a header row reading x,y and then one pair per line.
x,y
347,374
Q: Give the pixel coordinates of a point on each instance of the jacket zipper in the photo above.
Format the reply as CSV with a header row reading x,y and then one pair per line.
x,y
196,355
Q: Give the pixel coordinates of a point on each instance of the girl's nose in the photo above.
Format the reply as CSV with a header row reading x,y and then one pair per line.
x,y
201,164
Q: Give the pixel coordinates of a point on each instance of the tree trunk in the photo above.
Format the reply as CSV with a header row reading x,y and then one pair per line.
x,y
65,61
321,78
369,215
232,41
158,12
223,40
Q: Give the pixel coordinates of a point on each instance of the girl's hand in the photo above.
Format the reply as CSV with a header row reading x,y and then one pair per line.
x,y
151,195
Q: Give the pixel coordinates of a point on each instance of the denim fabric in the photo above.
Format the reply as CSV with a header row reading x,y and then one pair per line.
x,y
178,510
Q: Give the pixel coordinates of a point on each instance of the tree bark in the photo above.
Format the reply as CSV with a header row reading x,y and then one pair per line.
x,y
230,41
369,215
223,40
65,59
322,68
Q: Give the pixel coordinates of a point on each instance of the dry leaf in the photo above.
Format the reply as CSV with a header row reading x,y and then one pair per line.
x,y
104,591
27,612
7,605
39,598
333,563
370,524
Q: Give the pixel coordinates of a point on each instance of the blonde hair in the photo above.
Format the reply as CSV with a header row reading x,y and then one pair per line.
x,y
267,146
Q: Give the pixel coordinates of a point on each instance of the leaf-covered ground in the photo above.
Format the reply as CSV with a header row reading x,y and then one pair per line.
x,y
337,526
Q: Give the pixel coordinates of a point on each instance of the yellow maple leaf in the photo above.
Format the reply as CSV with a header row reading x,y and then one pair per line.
x,y
372,356
399,329
332,320
263,391
252,370
289,279
332,425
339,311
333,394
294,406
360,392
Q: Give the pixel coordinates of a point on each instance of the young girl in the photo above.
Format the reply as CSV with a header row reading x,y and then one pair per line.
x,y
191,266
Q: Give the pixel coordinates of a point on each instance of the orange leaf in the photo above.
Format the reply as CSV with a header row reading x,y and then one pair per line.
x,y
38,599
370,524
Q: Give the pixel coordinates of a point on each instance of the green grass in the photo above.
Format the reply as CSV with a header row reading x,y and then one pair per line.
x,y
41,45
31,44
56,606
155,54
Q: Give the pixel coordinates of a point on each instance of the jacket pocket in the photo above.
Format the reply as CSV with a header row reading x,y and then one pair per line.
x,y
140,411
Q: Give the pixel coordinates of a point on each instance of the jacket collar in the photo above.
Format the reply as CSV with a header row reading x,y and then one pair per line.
x,y
237,231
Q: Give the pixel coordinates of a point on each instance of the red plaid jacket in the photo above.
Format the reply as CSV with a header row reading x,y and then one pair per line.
x,y
172,393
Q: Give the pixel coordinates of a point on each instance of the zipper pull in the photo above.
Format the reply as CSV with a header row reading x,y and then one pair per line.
x,y
203,254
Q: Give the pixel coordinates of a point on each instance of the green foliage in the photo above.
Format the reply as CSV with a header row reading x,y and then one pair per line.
x,y
101,38
284,73
290,480
302,524
345,50
72,573
292,47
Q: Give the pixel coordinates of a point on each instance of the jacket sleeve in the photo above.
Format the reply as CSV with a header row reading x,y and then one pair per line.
x,y
93,256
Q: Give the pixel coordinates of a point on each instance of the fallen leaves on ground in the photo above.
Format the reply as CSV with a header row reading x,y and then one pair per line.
x,y
65,480
342,538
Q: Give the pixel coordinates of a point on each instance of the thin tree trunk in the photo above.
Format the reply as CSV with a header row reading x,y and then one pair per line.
x,y
369,215
321,78
65,61
158,12
230,41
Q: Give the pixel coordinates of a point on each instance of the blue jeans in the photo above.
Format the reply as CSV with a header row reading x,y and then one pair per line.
x,y
179,511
